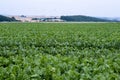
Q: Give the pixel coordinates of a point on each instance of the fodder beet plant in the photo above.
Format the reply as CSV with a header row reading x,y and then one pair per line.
x,y
59,51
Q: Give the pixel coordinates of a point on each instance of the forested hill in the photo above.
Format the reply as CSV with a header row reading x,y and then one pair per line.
x,y
4,18
81,18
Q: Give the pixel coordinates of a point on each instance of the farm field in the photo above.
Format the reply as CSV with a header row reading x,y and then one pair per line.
x,y
59,51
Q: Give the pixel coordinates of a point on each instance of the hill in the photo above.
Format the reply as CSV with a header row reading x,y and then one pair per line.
x,y
117,19
4,18
82,18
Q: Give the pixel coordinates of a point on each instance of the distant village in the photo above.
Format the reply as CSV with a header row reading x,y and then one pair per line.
x,y
24,18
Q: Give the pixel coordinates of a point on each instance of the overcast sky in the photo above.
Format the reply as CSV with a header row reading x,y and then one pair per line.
x,y
101,8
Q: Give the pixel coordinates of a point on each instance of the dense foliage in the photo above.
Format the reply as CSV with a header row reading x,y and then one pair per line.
x,y
4,18
60,51
81,18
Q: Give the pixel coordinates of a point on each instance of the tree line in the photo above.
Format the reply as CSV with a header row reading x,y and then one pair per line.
x,y
4,18
81,18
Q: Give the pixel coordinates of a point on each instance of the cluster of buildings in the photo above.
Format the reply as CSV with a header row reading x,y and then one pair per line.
x,y
23,18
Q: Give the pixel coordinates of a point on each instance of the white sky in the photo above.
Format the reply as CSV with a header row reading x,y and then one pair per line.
x,y
101,8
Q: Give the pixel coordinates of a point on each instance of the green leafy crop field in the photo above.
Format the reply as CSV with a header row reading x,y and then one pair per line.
x,y
59,51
